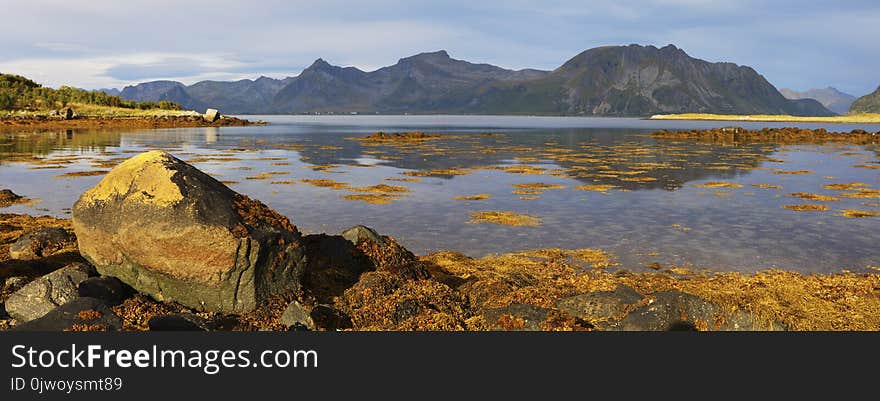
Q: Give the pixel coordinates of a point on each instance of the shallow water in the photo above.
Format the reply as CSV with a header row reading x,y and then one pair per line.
x,y
656,211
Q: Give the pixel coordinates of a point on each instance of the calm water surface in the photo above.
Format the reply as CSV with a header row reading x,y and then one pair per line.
x,y
658,210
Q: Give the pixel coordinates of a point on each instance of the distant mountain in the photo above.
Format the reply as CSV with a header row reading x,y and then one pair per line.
x,y
831,98
110,91
606,81
869,103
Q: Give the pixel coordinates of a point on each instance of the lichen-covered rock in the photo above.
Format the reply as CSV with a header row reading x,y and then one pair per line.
x,y
46,293
297,317
171,231
42,242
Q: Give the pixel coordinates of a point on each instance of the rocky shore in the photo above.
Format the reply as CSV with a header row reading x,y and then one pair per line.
x,y
772,135
51,122
159,245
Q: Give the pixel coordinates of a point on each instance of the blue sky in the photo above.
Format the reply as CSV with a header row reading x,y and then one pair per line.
x,y
110,43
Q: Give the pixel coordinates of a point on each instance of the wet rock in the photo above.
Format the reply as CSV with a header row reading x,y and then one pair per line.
x,y
675,310
360,233
42,242
7,197
67,113
108,289
330,318
671,310
516,317
296,316
80,314
601,305
211,115
173,232
46,293
335,263
178,322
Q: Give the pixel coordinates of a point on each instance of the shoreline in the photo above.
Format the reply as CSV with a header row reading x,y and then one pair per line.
x,y
847,119
543,289
114,122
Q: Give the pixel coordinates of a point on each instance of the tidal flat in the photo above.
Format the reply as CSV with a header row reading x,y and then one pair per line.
x,y
594,183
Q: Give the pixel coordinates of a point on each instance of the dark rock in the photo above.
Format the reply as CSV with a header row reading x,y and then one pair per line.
x,y
297,317
671,310
178,322
330,318
109,289
80,314
517,317
601,305
176,234
46,293
42,242
7,197
360,233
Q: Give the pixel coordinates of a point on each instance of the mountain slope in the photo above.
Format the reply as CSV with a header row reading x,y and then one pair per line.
x,y
869,103
606,81
831,98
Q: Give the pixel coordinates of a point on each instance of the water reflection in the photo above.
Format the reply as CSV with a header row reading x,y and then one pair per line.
x,y
647,201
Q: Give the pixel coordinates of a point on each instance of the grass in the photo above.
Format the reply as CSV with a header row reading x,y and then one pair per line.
x,y
852,118
91,110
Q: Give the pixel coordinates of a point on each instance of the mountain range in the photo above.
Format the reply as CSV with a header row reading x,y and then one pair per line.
x,y
629,80
831,98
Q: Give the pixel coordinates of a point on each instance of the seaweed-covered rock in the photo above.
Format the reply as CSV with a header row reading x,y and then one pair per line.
x,y
7,197
171,231
46,293
517,317
600,305
42,242
80,314
671,310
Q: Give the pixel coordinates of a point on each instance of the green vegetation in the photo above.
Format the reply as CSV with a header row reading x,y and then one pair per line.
x,y
869,103
20,93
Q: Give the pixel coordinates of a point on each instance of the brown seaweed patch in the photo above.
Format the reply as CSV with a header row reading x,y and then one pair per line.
x,y
376,199
717,184
82,174
538,186
596,187
806,208
814,197
767,186
863,193
326,183
853,213
792,172
428,173
848,186
504,218
472,197
404,179
381,189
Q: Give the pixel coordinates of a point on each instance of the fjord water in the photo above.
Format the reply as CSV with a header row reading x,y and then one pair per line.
x,y
657,211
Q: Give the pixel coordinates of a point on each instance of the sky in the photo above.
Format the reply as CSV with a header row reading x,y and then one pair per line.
x,y
109,43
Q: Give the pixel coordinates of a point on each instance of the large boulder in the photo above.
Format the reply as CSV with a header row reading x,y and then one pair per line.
x,y
46,293
211,115
173,232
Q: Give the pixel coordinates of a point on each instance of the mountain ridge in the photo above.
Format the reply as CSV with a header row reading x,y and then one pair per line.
x,y
869,103
830,97
628,80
